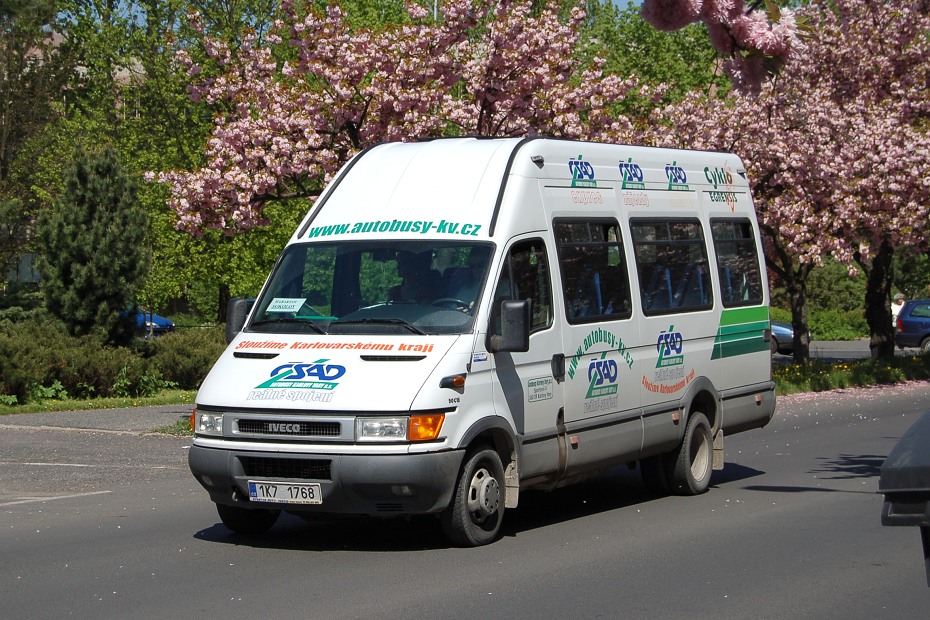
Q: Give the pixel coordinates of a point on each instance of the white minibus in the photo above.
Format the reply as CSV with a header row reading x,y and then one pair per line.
x,y
459,320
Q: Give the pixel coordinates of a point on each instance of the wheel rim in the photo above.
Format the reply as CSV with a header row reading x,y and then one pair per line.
x,y
700,455
484,495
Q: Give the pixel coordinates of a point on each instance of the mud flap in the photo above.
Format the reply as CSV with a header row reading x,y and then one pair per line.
x,y
512,484
718,450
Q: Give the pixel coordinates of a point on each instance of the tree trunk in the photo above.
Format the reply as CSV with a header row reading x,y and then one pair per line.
x,y
878,302
795,278
223,299
797,292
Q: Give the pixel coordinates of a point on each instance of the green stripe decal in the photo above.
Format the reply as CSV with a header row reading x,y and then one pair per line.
x,y
744,315
741,329
741,332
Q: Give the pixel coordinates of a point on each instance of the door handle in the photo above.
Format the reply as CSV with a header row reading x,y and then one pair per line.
x,y
558,366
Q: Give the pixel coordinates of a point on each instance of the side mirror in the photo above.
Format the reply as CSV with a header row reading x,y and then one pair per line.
x,y
515,327
237,310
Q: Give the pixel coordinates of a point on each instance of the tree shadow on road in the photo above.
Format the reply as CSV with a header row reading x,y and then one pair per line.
x,y
840,467
850,466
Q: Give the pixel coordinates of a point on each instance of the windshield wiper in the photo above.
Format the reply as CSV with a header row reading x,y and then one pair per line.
x,y
399,322
291,319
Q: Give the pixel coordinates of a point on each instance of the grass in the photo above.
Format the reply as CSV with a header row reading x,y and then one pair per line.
x,y
165,397
181,428
820,376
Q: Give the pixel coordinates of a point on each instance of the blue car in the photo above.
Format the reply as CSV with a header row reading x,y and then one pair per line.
x,y
782,338
912,327
151,324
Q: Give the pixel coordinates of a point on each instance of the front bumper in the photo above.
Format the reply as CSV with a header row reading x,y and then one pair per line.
x,y
351,484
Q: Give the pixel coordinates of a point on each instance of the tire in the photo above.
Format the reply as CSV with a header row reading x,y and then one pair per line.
x,y
774,344
925,346
654,472
247,521
692,466
474,516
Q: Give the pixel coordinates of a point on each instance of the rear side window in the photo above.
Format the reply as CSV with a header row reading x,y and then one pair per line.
x,y
737,262
671,263
595,284
921,311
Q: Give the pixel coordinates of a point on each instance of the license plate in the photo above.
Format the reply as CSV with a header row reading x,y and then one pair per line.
x,y
285,492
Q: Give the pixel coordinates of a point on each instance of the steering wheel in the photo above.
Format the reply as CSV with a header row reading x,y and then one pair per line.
x,y
457,304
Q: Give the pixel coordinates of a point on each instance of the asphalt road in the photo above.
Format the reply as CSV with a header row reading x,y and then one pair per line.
x,y
100,518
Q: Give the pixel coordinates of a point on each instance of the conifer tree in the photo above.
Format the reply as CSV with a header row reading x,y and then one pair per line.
x,y
92,243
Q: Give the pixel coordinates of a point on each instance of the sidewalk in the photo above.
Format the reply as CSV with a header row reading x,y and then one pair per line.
x,y
849,349
840,349
128,419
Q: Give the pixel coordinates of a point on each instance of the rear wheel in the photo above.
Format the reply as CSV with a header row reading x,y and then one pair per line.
x,y
477,509
692,467
245,520
925,345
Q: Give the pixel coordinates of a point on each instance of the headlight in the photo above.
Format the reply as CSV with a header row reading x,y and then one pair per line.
x,y
420,427
208,423
380,429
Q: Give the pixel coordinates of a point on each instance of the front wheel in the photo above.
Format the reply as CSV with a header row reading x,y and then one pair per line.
x,y
247,521
477,509
693,465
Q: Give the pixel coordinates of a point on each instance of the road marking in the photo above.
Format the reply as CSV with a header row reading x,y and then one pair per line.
x,y
52,464
97,465
34,500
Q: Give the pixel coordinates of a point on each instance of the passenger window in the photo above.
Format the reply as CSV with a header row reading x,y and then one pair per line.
x,y
671,263
595,283
737,262
525,275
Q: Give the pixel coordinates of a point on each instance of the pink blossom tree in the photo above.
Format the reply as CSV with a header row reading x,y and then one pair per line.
x,y
284,127
757,42
784,159
879,59
835,150
516,73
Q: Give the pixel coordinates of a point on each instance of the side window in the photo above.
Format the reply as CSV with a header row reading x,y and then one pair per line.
x,y
921,311
595,281
525,275
671,263
737,262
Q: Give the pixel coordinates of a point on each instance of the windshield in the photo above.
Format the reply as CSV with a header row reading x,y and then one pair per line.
x,y
374,287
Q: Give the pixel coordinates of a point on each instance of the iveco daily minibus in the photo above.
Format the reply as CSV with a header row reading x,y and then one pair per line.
x,y
456,321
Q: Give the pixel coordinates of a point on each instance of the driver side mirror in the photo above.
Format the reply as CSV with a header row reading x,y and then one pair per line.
x,y
237,310
515,327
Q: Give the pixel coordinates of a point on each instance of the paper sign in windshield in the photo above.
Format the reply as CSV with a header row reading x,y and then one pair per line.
x,y
285,304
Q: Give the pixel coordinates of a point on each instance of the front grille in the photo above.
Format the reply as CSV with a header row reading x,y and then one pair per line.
x,y
289,428
276,469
